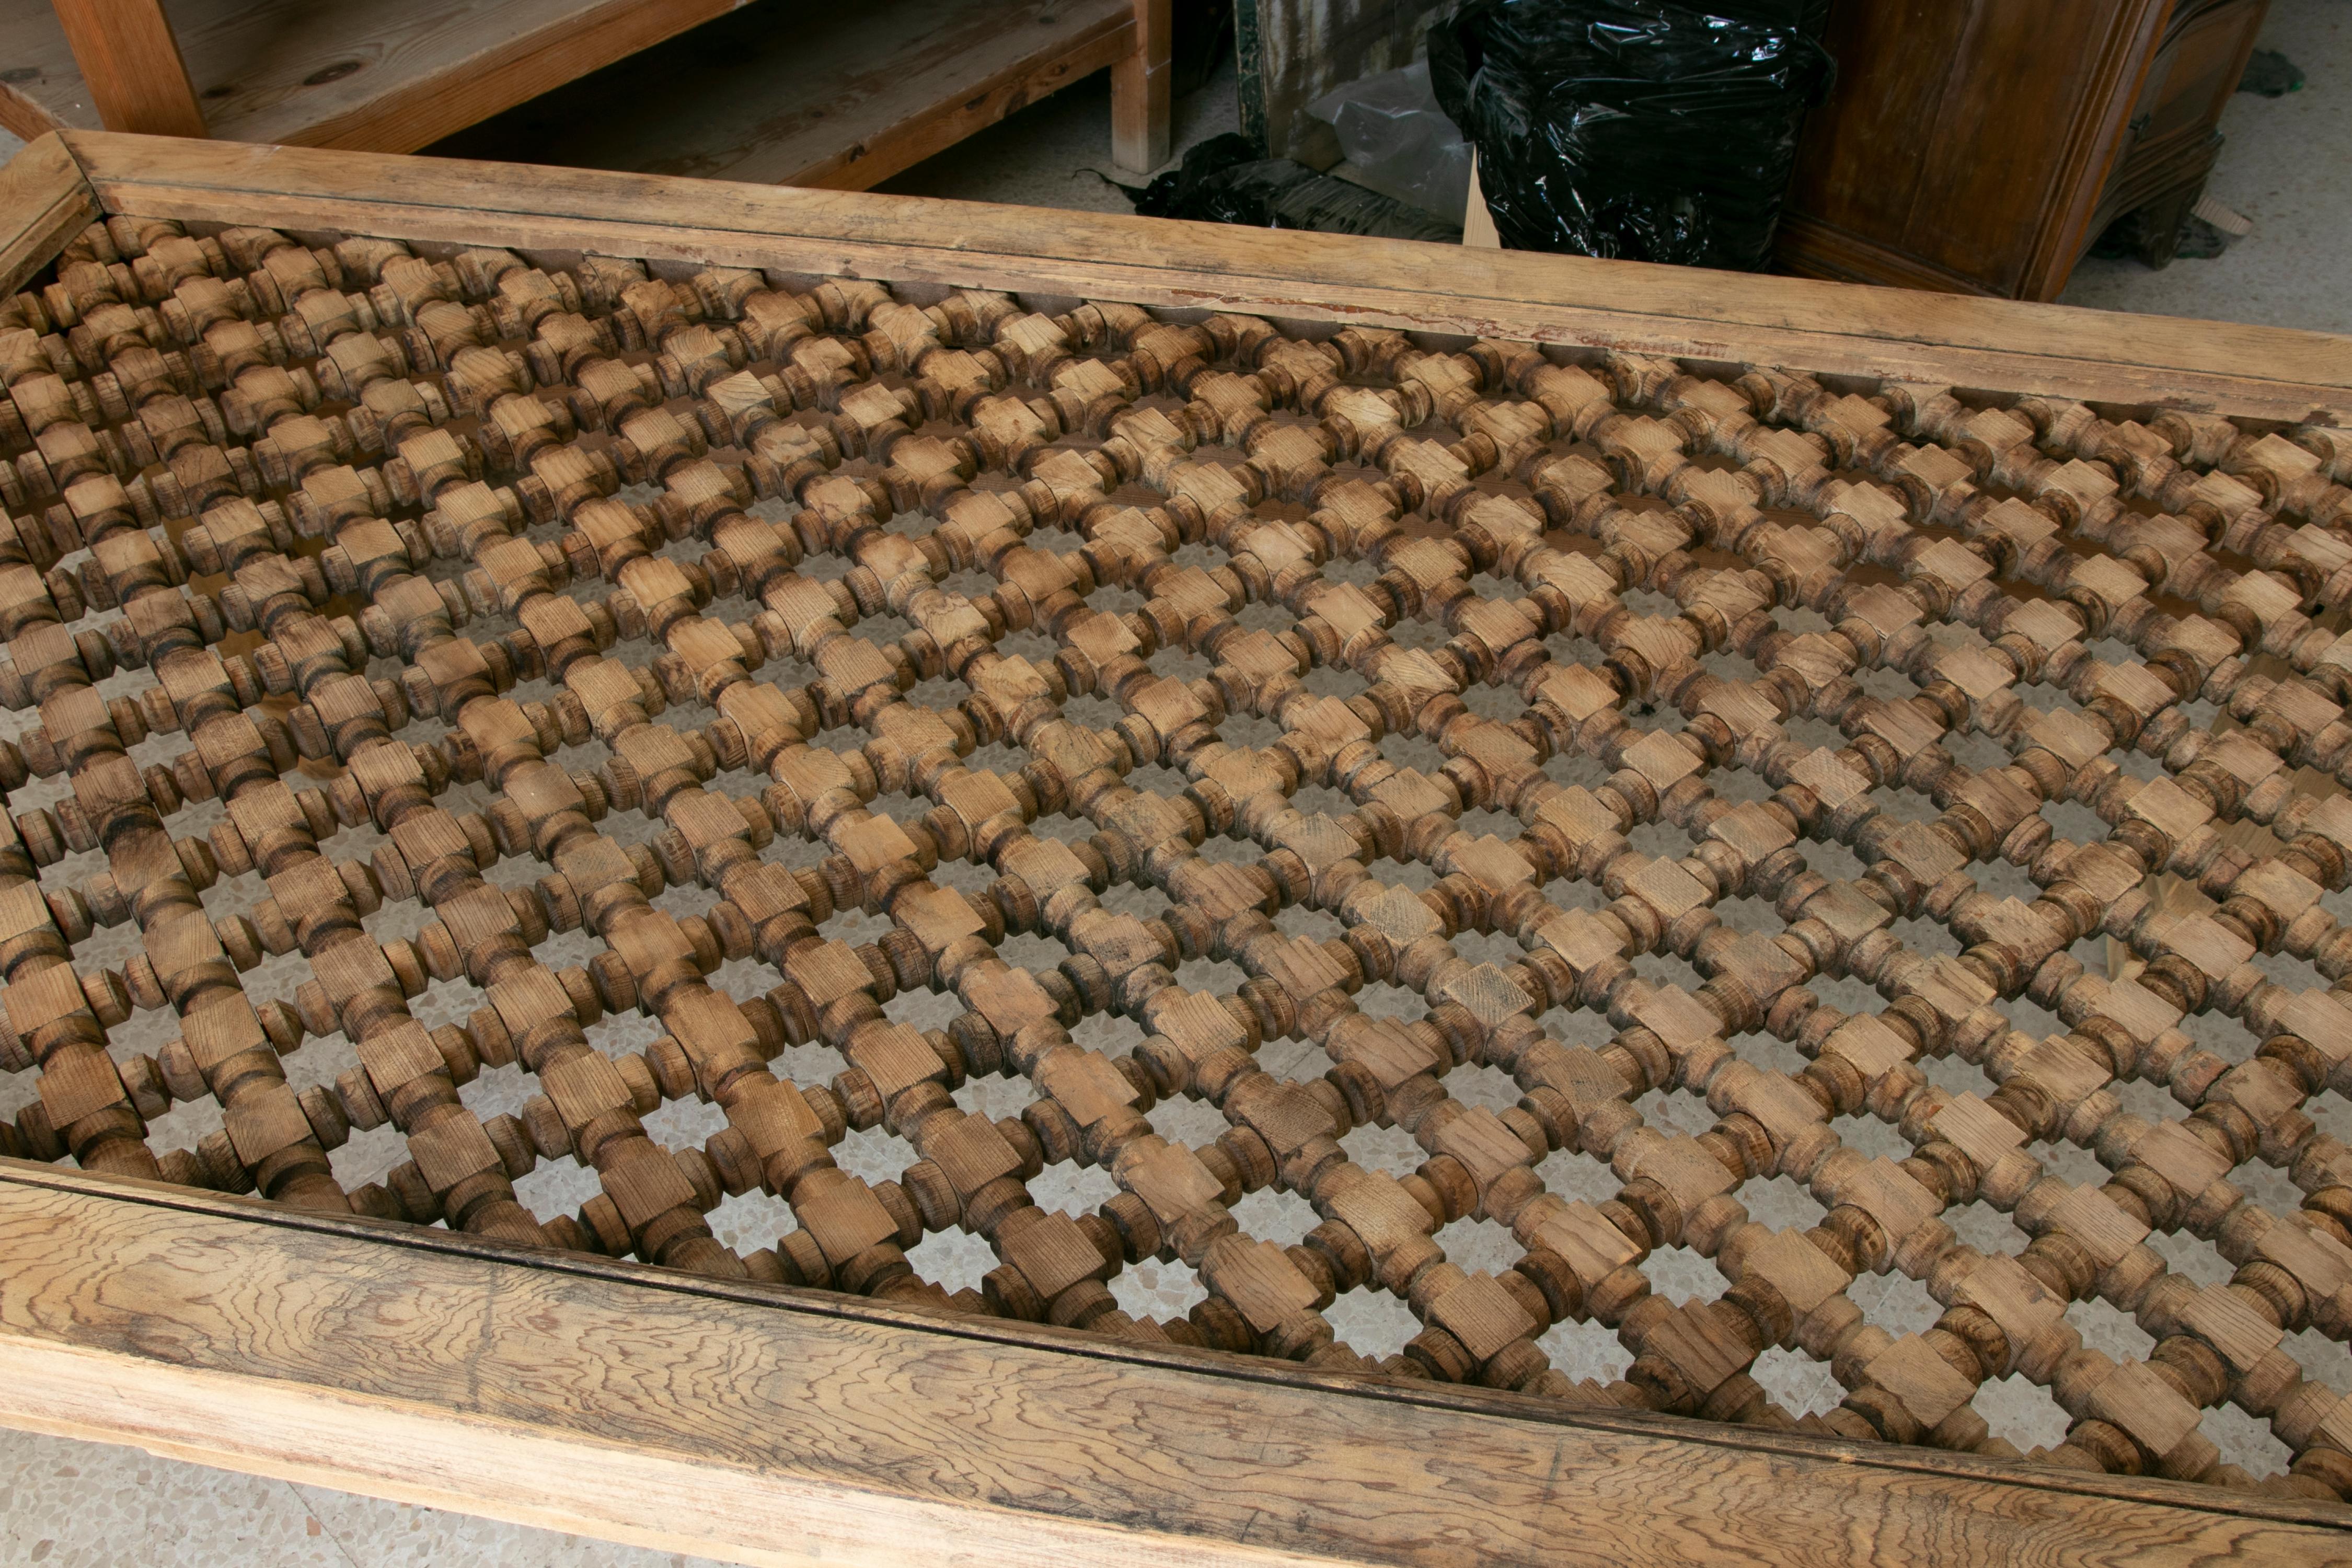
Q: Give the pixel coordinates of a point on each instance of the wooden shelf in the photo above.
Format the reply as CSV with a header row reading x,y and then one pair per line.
x,y
387,76
784,94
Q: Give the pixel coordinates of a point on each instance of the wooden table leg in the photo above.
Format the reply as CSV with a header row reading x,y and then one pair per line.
x,y
132,64
1138,93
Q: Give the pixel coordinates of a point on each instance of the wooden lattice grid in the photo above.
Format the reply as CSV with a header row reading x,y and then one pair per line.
x,y
397,526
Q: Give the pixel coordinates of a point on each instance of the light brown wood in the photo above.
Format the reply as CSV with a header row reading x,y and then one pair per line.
x,y
128,58
1139,86
389,76
843,101
46,202
2269,371
1479,230
611,1402
1983,148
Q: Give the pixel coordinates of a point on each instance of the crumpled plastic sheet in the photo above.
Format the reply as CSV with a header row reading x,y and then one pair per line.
x,y
1398,141
1224,180
1645,130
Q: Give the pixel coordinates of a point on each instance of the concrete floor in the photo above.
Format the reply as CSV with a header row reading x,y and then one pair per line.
x,y
2288,165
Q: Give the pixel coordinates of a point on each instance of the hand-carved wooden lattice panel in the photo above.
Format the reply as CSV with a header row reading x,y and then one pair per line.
x,y
380,525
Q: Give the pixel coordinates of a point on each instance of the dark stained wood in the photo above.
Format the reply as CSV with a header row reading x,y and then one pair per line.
x,y
1865,148
1981,148
128,56
2172,142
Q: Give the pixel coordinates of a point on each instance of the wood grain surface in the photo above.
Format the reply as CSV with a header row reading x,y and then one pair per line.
x,y
44,202
389,76
1140,83
1919,167
128,56
773,95
2262,371
703,1419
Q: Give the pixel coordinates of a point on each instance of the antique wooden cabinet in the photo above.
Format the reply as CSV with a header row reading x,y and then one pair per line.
x,y
1378,727
1980,148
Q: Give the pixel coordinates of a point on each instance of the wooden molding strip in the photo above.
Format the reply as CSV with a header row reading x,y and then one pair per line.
x,y
2258,371
44,202
1814,248
764,1426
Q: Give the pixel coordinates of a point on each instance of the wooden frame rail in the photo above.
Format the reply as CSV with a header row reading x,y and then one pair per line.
x,y
776,1426
775,94
132,65
2262,371
388,78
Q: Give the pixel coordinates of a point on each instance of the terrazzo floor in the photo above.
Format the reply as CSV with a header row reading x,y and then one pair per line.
x,y
2287,165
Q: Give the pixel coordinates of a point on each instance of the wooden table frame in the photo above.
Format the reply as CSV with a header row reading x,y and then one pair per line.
x,y
774,1426
138,77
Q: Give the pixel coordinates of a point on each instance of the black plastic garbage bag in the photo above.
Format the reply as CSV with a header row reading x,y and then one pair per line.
x,y
1643,129
1224,180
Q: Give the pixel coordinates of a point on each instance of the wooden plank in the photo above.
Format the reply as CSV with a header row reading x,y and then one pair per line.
x,y
44,202
127,54
2258,371
752,1423
776,96
1139,92
1969,147
386,75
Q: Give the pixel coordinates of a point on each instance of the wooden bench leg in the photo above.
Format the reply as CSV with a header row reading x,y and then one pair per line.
x,y
132,64
1139,94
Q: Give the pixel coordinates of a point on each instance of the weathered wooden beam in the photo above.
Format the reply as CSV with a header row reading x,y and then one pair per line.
x,y
44,202
761,1425
2270,372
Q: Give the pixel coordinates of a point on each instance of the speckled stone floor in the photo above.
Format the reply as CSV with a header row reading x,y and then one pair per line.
x,y
2288,166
